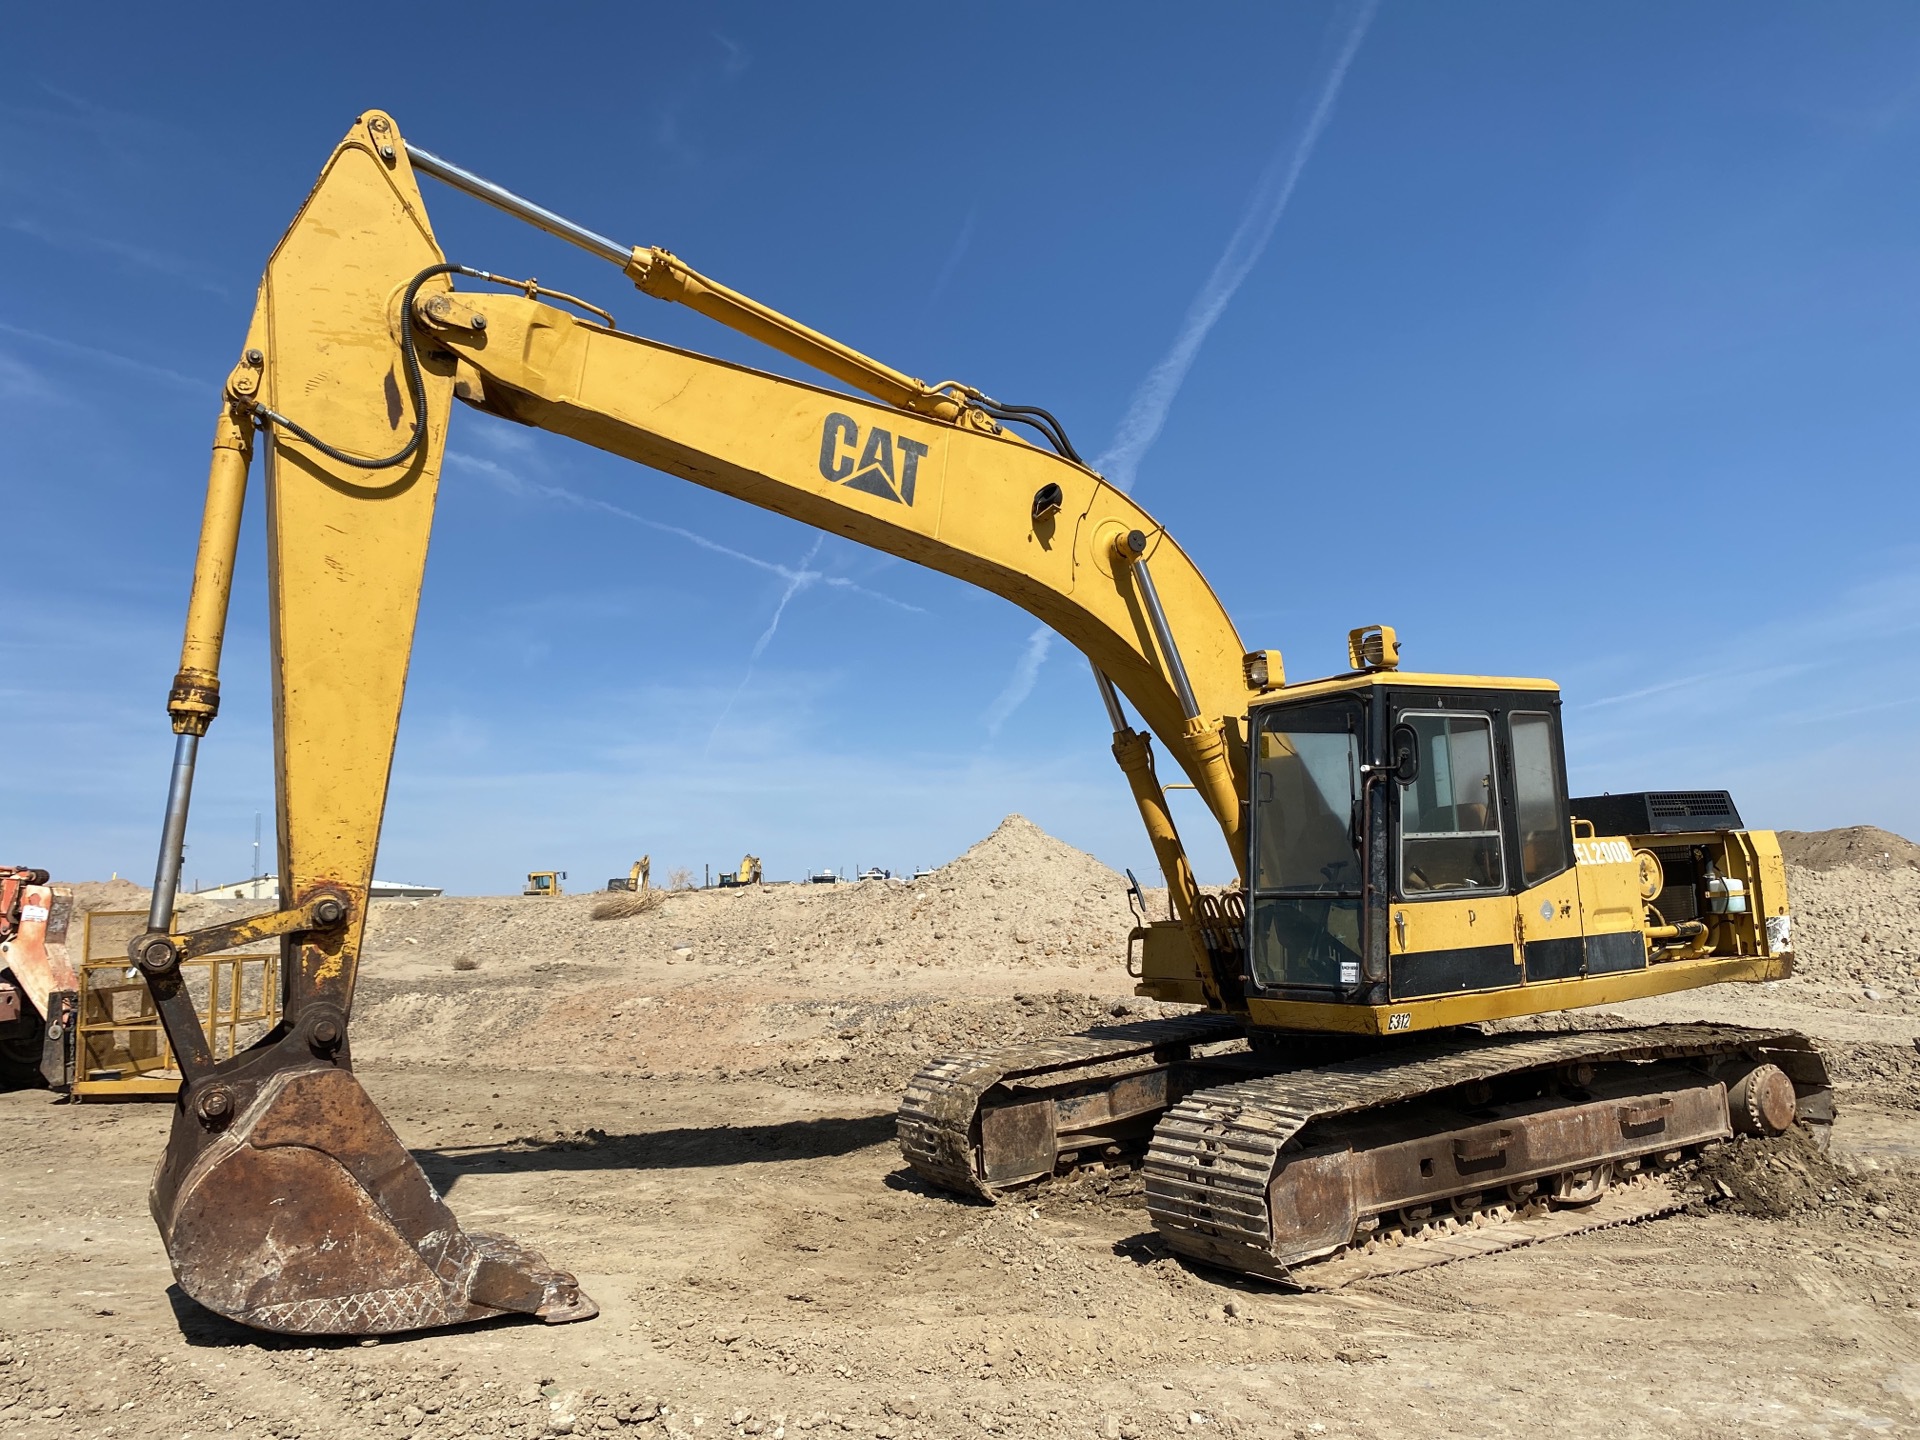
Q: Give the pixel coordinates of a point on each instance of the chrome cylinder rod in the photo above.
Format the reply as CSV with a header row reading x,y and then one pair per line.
x,y
1176,667
173,833
427,163
1111,697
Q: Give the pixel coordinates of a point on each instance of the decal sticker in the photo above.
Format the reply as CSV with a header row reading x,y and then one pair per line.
x,y
1602,852
1400,1020
884,464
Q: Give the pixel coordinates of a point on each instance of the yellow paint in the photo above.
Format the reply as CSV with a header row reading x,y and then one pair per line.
x,y
1171,966
1458,922
1536,999
1416,680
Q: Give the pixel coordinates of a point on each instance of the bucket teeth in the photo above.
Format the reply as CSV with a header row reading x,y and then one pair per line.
x,y
307,1216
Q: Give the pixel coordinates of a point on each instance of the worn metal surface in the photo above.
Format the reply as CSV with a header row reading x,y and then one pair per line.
x,y
1762,1101
939,1121
33,950
1453,1238
1215,1155
304,1214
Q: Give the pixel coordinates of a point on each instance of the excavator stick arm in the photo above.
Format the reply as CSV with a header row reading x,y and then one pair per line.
x,y
284,1199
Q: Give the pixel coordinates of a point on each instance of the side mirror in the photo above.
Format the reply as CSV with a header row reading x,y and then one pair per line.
x,y
1406,754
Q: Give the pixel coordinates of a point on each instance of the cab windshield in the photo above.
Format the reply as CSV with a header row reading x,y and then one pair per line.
x,y
1307,866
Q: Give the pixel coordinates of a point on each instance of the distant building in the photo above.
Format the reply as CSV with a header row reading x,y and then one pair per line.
x,y
267,887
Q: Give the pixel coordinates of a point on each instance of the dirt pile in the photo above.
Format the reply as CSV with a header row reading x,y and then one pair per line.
x,y
846,987
1865,846
1856,934
1772,1177
91,895
1018,897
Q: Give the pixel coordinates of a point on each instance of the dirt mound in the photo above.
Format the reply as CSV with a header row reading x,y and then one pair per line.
x,y
782,979
1866,846
1018,896
89,895
1019,851
1772,1177
1856,935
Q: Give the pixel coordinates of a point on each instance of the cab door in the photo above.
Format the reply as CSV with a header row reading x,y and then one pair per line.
x,y
1548,921
1452,926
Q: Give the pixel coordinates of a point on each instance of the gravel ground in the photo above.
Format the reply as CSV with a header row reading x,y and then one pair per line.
x,y
692,1109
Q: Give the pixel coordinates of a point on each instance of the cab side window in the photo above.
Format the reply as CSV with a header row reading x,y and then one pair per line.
x,y
1546,838
1450,811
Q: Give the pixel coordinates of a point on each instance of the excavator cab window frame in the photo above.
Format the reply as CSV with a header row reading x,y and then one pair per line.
x,y
1269,908
1560,824
1436,771
1500,708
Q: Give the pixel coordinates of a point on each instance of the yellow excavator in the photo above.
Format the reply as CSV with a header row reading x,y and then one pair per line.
x,y
637,878
1411,867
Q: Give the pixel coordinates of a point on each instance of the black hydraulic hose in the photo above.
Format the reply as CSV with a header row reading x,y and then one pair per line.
x,y
1039,419
1053,437
416,386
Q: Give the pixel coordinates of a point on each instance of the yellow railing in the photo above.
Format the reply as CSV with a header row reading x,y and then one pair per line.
x,y
120,1046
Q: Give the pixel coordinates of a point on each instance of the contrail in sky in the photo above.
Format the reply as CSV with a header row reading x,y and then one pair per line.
x,y
516,484
955,255
1146,414
801,578
1020,683
90,353
797,579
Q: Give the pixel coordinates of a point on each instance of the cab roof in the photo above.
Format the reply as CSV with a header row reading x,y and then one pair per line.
x,y
1363,680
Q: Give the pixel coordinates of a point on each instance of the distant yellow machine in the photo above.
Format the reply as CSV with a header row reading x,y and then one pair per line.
x,y
544,884
635,879
1409,861
747,874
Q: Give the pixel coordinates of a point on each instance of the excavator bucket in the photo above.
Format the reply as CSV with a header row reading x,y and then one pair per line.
x,y
303,1213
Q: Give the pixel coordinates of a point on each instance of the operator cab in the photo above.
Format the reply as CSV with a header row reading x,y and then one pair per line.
x,y
1385,799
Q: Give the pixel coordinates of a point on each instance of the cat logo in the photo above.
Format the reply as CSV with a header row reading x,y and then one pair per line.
x,y
886,466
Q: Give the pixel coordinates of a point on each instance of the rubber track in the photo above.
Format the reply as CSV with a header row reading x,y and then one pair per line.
x,y
1214,1154
935,1122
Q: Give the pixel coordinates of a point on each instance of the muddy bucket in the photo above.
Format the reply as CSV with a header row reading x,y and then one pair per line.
x,y
289,1204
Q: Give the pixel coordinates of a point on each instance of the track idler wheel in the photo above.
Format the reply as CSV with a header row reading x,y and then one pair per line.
x,y
1762,1101
290,1205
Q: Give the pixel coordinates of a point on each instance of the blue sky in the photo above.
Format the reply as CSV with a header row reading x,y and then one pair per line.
x,y
1576,342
